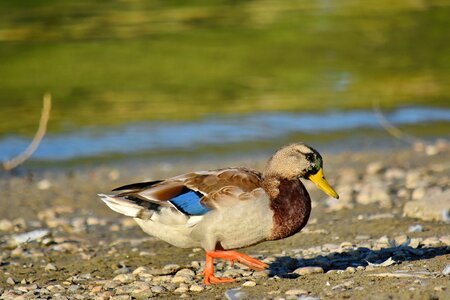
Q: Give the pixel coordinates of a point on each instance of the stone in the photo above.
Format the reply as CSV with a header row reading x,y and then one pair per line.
x,y
249,284
185,272
431,241
44,184
375,167
445,240
196,288
393,174
50,267
296,292
308,270
124,278
10,281
375,192
181,289
6,225
446,270
157,289
415,228
142,294
433,206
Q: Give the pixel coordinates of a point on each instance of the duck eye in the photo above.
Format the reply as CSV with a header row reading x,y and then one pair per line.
x,y
309,156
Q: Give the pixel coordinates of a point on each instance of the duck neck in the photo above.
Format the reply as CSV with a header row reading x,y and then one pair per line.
x,y
290,203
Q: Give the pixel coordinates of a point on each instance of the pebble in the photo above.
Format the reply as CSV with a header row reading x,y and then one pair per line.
x,y
433,205
124,278
196,288
308,270
446,270
6,225
181,289
249,284
445,240
296,292
157,289
50,267
10,281
431,241
375,167
415,228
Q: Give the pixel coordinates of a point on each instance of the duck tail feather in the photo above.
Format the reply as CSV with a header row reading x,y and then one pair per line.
x,y
121,205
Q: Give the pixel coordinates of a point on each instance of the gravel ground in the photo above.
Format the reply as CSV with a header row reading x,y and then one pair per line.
x,y
387,237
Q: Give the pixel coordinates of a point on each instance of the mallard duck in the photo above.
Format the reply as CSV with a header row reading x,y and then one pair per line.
x,y
226,209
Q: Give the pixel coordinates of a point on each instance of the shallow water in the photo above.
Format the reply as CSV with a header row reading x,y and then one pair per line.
x,y
164,79
137,139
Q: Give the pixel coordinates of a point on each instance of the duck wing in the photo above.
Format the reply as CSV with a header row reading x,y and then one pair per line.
x,y
191,194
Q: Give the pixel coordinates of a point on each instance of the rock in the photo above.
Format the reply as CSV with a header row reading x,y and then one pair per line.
x,y
446,270
28,236
412,179
50,267
350,270
445,240
10,281
111,284
44,184
393,174
433,206
296,292
440,288
166,270
180,279
124,278
142,294
401,240
308,270
163,278
185,272
415,242
6,225
235,294
375,167
415,228
181,289
196,288
141,270
157,289
431,241
249,284
375,192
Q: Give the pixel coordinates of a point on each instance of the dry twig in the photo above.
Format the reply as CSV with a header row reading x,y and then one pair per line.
x,y
390,128
40,133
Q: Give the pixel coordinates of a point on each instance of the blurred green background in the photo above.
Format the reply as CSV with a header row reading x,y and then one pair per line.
x,y
111,63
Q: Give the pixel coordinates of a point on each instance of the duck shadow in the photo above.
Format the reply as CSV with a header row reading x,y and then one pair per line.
x,y
285,265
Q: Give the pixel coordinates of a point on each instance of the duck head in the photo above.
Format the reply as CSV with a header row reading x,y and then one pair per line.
x,y
299,161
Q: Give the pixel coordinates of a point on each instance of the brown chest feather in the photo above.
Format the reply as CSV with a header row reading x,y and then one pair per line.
x,y
291,208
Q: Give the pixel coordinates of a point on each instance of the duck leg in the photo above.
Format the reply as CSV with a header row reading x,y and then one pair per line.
x,y
232,256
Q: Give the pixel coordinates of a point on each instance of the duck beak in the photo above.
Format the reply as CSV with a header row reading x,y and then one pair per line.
x,y
320,181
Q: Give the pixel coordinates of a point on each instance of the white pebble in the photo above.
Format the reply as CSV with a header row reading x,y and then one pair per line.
x,y
249,283
196,288
296,292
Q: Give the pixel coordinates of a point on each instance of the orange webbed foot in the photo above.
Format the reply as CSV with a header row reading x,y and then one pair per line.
x,y
211,279
232,256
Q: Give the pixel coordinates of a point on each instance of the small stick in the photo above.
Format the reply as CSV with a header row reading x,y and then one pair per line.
x,y
390,128
40,133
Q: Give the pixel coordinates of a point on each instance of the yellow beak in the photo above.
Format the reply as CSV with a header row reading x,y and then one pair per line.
x,y
320,181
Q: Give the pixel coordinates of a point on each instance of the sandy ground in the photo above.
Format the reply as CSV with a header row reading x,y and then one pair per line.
x,y
79,249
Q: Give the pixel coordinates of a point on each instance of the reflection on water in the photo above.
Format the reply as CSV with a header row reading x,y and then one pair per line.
x,y
163,137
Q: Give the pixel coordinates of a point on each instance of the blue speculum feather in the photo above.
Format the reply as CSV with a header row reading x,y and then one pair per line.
x,y
189,203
